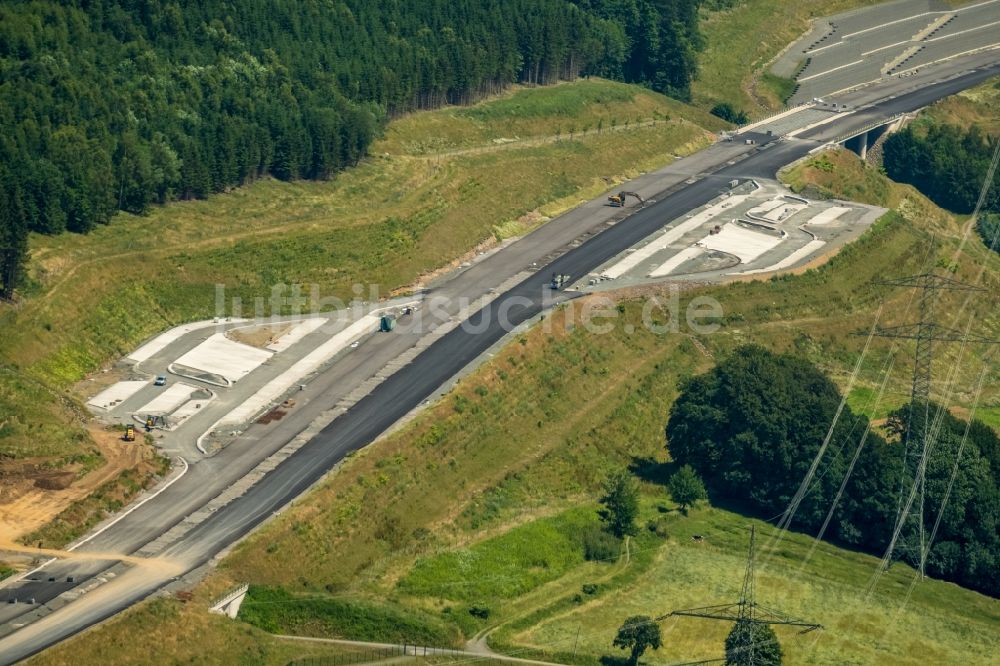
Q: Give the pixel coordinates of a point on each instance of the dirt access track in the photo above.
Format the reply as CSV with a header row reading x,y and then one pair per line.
x,y
32,495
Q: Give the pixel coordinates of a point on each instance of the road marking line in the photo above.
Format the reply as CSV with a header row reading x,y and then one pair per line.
x,y
883,48
882,25
962,32
135,506
979,49
830,71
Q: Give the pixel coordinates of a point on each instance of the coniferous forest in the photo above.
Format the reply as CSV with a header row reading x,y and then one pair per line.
x,y
112,106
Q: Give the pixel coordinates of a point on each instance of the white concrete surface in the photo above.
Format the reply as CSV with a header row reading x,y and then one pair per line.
x,y
275,388
790,260
224,357
296,333
784,212
767,206
632,260
745,244
188,409
827,216
667,267
173,396
160,342
116,393
776,209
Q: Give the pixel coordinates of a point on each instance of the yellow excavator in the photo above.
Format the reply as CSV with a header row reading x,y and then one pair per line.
x,y
618,200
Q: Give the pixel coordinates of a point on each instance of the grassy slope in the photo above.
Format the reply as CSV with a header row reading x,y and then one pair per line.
x,y
531,434
206,639
743,40
940,623
977,106
394,217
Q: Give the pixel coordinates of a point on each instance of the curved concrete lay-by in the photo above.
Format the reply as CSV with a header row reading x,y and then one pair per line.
x,y
360,394
708,245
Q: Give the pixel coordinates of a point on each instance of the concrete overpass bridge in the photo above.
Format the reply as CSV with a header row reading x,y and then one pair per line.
x,y
864,139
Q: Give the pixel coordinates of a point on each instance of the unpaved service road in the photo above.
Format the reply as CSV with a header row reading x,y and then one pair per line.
x,y
25,507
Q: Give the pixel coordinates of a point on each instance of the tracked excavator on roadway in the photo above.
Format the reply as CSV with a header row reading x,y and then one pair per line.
x,y
618,200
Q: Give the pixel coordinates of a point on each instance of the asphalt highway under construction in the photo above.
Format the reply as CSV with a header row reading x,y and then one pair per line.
x,y
404,390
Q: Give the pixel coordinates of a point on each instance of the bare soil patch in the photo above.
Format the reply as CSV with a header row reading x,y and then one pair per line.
x,y
96,382
34,491
259,336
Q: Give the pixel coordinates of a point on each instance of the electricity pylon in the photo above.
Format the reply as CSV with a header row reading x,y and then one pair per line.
x,y
917,443
746,611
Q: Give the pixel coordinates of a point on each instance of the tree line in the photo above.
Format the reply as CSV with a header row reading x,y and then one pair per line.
x,y
661,42
946,163
752,426
949,165
118,105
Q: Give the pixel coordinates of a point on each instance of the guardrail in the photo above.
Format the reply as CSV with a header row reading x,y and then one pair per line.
x,y
219,605
867,128
769,116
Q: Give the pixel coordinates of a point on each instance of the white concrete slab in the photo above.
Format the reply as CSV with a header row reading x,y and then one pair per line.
x,y
661,243
275,388
172,397
224,357
116,393
160,342
187,410
827,216
783,212
667,267
745,244
297,332
767,206
790,260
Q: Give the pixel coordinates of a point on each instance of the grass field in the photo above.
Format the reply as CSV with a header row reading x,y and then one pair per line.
x,y
939,623
528,115
976,106
399,214
149,635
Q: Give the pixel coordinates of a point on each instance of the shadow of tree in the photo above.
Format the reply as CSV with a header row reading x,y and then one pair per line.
x,y
614,660
652,470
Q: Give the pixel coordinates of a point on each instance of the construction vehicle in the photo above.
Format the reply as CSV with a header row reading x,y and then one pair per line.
x,y
618,200
558,281
387,323
129,435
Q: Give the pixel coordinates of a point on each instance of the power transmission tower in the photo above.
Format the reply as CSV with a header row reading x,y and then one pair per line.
x,y
917,442
746,611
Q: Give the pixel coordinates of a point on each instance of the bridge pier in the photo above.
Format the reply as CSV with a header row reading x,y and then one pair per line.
x,y
861,142
229,604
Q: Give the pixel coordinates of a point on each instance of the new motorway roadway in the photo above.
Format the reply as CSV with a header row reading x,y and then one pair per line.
x,y
187,525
